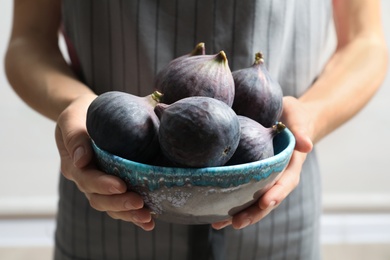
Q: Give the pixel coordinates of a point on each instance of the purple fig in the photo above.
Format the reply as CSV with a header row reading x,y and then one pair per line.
x,y
199,49
163,161
125,125
198,131
199,75
256,141
257,95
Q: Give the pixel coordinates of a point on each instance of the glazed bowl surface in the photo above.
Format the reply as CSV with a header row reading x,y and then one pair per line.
x,y
200,195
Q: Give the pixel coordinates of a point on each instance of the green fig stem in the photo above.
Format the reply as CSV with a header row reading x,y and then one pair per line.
x,y
278,127
156,96
259,58
221,57
199,49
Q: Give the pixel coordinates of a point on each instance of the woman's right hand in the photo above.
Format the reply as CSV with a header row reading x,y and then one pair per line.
x,y
105,192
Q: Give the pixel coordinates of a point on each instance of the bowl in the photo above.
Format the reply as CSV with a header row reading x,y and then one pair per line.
x,y
200,195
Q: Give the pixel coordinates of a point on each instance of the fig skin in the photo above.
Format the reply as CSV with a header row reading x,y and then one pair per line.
x,y
199,49
198,131
199,75
125,125
256,141
257,95
162,161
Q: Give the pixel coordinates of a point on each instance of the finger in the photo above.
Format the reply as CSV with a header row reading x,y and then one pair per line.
x,y
91,180
116,203
303,143
88,179
287,182
296,118
66,159
71,132
221,224
249,216
140,216
74,140
146,221
147,226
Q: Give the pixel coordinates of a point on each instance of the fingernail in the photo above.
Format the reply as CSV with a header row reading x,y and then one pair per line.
x,y
130,205
141,219
224,224
114,190
136,218
271,204
78,153
246,222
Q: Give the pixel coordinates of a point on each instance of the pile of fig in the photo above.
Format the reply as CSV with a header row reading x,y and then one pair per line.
x,y
201,114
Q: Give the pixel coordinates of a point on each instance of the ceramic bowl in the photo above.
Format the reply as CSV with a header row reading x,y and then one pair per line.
x,y
200,195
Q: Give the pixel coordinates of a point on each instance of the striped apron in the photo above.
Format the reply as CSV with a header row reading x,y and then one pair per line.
x,y
122,44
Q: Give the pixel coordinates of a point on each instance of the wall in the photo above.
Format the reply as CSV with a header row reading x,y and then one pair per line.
x,y
29,161
354,159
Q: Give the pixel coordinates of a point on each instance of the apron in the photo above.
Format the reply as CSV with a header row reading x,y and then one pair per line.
x,y
121,45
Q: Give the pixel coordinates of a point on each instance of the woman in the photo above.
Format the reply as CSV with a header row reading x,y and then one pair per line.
x,y
121,45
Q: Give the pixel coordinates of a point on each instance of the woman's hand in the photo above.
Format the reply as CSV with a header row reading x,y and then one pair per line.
x,y
105,192
297,119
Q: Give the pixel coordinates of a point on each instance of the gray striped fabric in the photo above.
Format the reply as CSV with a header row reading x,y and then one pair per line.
x,y
121,45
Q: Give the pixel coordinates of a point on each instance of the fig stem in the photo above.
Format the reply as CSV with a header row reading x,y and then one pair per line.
x,y
199,49
221,57
259,58
156,96
278,127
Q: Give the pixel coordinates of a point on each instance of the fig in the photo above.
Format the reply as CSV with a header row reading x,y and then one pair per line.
x,y
163,161
256,141
257,95
198,131
199,49
125,125
199,75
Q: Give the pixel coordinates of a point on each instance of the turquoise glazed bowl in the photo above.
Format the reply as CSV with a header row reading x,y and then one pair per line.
x,y
200,195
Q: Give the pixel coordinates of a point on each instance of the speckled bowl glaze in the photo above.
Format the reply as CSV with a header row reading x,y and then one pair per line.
x,y
200,195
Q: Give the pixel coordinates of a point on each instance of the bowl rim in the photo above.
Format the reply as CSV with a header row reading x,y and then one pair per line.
x,y
286,152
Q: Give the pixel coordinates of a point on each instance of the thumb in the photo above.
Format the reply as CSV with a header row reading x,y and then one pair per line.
x,y
71,134
303,141
296,117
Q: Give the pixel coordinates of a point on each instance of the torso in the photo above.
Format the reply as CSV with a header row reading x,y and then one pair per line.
x,y
121,45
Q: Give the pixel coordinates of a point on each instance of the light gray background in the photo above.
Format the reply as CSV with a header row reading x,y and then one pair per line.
x,y
355,159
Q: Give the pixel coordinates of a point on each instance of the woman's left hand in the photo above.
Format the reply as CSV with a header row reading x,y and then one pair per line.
x,y
297,119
